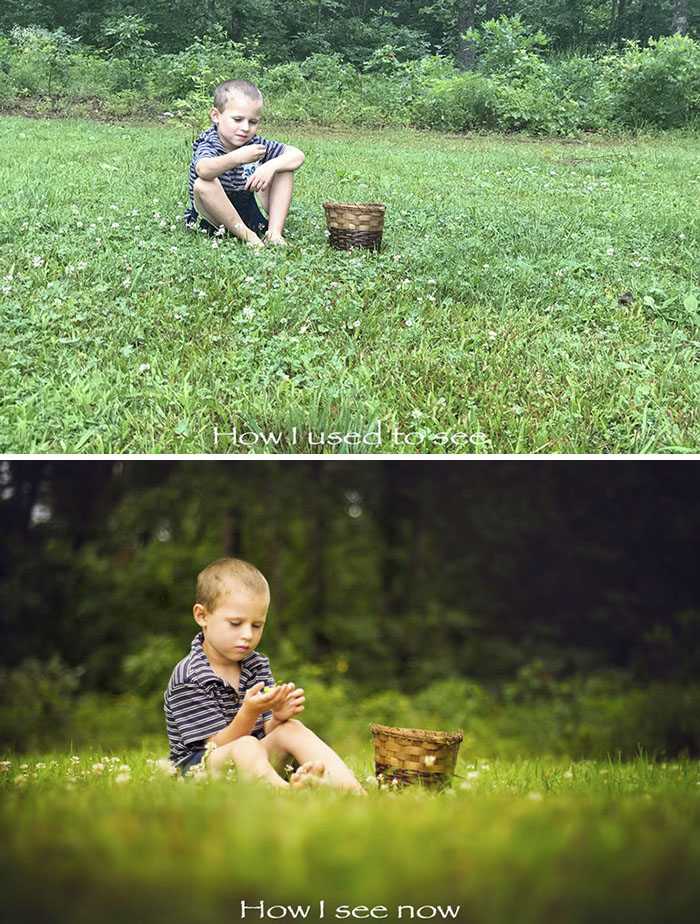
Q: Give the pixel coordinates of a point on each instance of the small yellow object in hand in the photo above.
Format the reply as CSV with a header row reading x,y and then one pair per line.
x,y
268,689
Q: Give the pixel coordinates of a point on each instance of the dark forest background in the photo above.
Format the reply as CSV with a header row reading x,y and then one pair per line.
x,y
541,605
295,29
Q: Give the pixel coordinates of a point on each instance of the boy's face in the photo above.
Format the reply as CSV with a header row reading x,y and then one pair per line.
x,y
238,122
234,627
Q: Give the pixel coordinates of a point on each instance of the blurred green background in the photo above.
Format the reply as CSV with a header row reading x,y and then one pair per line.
x,y
543,607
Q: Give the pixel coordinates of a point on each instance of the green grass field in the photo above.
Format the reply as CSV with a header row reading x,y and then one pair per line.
x,y
111,838
530,297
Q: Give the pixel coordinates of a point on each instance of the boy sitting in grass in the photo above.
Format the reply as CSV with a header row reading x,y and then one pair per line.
x,y
231,164
223,693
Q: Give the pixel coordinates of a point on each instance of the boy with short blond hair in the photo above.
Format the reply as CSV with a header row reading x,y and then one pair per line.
x,y
223,692
240,182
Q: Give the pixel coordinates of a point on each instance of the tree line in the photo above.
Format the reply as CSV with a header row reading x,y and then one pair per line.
x,y
402,573
294,29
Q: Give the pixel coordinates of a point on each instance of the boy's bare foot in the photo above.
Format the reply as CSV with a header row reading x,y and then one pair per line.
x,y
311,773
276,239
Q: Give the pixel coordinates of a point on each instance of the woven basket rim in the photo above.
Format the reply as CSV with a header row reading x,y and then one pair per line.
x,y
359,206
422,734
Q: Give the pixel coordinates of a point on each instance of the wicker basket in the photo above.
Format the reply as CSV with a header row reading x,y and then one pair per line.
x,y
355,224
413,755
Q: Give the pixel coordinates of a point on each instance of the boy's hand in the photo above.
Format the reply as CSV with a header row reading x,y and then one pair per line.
x,y
293,704
257,702
262,177
250,153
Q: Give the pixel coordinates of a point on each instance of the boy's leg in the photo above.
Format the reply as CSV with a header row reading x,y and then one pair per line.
x,y
276,200
293,737
252,759
212,203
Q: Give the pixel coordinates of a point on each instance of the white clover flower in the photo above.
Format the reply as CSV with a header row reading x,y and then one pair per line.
x,y
166,767
248,312
472,775
201,293
409,322
486,265
283,320
98,768
303,329
250,278
144,367
38,261
173,250
126,283
115,224
78,224
41,766
682,236
81,265
122,778
416,413
610,251
535,796
485,767
75,760
100,218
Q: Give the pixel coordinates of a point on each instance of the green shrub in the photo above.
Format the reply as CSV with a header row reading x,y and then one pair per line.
x,y
658,85
457,103
36,703
8,89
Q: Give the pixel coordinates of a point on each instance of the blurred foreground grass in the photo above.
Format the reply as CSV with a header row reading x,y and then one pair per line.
x,y
85,839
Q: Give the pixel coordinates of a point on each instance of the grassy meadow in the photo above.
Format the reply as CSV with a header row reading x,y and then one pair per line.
x,y
95,837
530,297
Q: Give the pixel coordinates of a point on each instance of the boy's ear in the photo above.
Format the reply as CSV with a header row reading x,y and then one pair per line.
x,y
214,114
200,614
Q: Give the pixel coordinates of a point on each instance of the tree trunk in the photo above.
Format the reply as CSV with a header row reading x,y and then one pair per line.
x,y
620,28
466,57
680,18
612,28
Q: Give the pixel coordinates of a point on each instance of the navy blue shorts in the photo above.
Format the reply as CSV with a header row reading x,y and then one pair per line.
x,y
191,761
246,204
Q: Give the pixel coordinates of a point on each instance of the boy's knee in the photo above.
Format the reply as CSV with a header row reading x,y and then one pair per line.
x,y
240,746
201,186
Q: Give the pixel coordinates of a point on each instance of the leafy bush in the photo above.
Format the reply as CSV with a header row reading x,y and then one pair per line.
x,y
41,58
658,85
466,101
36,703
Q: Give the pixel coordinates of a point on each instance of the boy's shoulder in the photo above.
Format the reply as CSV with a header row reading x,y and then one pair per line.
x,y
196,670
193,668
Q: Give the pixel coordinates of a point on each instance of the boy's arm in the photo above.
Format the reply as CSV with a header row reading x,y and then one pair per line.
x,y
209,168
254,704
290,159
243,724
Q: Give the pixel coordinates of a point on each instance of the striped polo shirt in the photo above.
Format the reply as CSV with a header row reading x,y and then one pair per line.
x,y
199,703
208,144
